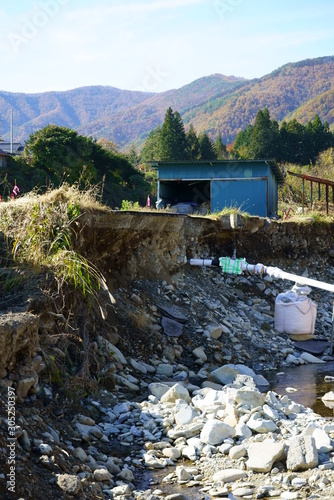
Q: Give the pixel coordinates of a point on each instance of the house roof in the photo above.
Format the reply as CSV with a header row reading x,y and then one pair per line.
x,y
3,153
272,163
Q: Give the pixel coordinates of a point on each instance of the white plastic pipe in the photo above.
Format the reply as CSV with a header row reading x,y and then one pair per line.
x,y
261,269
202,262
278,273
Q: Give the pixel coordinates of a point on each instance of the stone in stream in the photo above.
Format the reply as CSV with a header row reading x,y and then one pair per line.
x,y
262,456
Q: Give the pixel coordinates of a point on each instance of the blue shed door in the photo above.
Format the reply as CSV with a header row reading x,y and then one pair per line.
x,y
248,195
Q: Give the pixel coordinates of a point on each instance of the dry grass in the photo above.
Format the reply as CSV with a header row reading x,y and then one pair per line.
x,y
38,231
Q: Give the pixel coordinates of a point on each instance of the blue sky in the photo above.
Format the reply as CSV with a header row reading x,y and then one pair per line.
x,y
154,45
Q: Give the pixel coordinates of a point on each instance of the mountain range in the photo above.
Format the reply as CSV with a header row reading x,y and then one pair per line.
x,y
217,104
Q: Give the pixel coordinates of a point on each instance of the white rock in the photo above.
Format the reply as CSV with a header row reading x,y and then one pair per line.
x,y
122,491
214,432
171,453
323,442
242,430
237,451
152,462
190,452
185,416
261,425
302,453
229,475
158,389
178,391
182,474
247,396
263,455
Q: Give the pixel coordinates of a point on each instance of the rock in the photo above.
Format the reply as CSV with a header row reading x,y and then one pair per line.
x,y
185,416
323,442
69,483
292,360
309,358
165,369
243,491
178,391
123,491
152,462
112,467
102,475
261,425
176,496
229,475
237,452
199,353
214,331
302,453
136,299
171,327
87,432
246,396
80,454
126,475
225,374
262,456
83,419
112,349
172,453
214,432
182,474
44,449
138,366
23,387
158,389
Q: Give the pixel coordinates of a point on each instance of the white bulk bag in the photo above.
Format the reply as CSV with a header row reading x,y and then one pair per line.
x,y
295,314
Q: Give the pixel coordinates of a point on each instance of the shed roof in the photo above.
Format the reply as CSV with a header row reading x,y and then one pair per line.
x,y
3,153
272,163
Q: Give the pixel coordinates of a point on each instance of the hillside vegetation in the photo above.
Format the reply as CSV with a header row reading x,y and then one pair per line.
x,y
216,104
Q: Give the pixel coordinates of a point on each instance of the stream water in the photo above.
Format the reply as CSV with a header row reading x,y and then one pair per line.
x,y
309,384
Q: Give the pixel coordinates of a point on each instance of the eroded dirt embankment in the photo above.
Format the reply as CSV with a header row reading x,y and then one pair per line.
x,y
157,246
136,252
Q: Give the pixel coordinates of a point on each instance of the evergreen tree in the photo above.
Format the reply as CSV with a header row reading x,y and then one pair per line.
x,y
318,137
296,144
172,140
206,147
150,151
242,142
193,151
220,149
132,156
264,137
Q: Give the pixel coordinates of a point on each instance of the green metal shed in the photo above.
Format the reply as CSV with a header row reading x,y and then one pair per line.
x,y
250,185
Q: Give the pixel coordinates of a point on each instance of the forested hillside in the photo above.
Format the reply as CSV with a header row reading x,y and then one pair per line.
x,y
217,104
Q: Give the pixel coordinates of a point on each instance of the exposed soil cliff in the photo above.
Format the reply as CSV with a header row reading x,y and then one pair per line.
x,y
144,258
